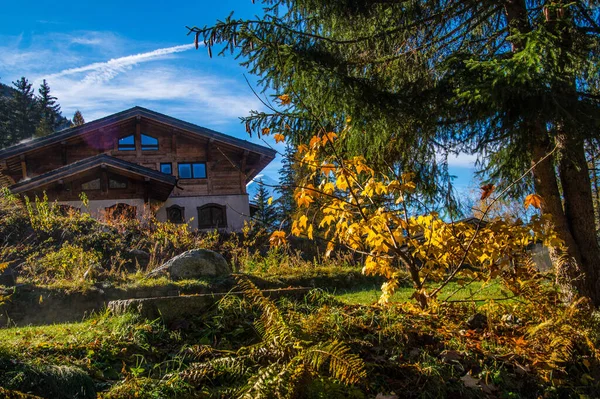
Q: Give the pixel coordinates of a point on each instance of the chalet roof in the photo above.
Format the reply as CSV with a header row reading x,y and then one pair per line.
x,y
57,137
90,163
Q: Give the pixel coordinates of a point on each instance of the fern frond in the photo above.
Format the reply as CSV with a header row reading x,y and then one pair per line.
x,y
261,385
197,373
343,365
271,325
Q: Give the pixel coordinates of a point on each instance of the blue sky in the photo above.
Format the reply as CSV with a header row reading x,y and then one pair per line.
x,y
103,57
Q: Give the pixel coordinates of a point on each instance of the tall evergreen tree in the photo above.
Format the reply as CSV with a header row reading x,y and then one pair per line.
x,y
509,80
286,205
49,111
77,119
23,112
266,214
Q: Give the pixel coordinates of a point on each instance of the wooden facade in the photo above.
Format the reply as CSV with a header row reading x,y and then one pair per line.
x,y
127,156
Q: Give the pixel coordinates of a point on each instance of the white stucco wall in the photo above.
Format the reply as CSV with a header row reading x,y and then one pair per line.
x,y
238,208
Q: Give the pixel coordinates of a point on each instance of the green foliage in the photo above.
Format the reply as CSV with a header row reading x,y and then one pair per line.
x,y
24,115
281,365
266,213
69,263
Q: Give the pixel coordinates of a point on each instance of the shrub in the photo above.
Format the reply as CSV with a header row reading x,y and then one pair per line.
x,y
70,262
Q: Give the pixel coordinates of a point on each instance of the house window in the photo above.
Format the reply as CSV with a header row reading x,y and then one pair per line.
x,y
127,143
212,216
166,168
121,211
91,185
117,183
176,214
192,170
149,143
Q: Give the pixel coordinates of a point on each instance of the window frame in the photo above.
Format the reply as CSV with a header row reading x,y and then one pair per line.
x,y
145,147
122,180
223,209
192,170
90,181
170,167
126,147
181,209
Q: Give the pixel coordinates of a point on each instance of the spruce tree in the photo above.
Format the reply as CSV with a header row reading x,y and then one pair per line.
x,y
266,214
77,119
23,111
512,81
286,205
49,111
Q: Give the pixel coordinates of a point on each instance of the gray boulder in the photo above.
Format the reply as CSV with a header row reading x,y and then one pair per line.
x,y
195,263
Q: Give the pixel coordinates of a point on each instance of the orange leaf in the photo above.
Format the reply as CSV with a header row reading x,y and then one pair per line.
x,y
266,131
533,200
279,137
285,99
277,239
487,190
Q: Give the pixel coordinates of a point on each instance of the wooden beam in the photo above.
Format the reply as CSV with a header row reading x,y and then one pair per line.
x,y
138,136
146,190
243,171
104,180
64,152
173,142
24,166
209,165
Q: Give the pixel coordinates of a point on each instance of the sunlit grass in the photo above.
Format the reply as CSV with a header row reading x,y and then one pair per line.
x,y
476,291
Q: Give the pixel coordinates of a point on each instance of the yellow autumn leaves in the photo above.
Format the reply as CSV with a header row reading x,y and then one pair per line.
x,y
353,206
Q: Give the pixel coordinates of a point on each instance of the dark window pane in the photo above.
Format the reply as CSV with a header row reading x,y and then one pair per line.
x,y
114,183
185,171
199,171
149,143
212,216
166,168
175,214
121,211
127,143
91,185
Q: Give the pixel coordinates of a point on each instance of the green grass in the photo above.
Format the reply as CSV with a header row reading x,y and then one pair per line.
x,y
476,292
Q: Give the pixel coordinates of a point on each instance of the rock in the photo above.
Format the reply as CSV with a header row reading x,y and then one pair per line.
x,y
142,258
477,321
194,264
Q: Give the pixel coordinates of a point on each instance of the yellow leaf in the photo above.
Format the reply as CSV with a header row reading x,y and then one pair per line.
x,y
285,99
341,182
302,222
279,137
309,231
315,142
270,200
277,238
533,200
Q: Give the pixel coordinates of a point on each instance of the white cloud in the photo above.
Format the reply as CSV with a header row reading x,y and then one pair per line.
x,y
462,160
105,71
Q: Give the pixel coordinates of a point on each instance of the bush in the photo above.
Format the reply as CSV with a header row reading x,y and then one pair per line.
x,y
71,263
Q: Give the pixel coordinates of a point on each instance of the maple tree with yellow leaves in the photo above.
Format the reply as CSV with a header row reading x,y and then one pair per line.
x,y
348,203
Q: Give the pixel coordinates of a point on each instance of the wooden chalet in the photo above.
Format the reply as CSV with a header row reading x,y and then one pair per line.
x,y
138,159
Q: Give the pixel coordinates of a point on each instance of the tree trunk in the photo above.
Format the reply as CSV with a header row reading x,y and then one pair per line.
x,y
576,268
579,212
567,262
